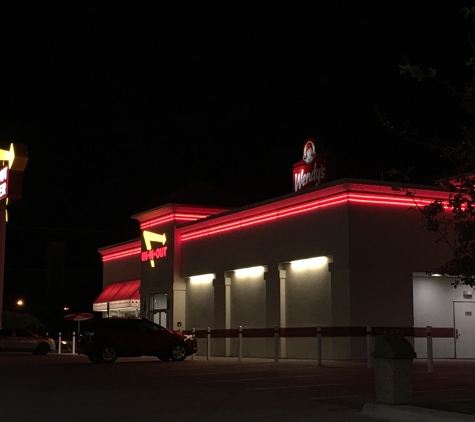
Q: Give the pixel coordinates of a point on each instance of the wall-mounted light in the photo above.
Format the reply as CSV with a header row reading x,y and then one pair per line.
x,y
302,264
250,271
204,278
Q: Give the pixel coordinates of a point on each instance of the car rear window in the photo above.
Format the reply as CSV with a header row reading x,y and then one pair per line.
x,y
23,333
6,332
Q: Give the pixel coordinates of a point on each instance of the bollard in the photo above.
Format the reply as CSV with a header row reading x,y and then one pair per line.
x,y
319,345
430,352
369,337
193,333
59,343
208,337
240,343
276,343
74,343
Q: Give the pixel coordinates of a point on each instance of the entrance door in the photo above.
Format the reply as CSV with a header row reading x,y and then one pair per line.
x,y
160,318
159,309
464,314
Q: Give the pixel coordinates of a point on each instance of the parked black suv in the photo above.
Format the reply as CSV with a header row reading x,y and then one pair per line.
x,y
104,340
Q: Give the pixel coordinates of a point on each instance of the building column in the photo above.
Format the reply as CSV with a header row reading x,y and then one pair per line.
x,y
179,306
222,314
275,305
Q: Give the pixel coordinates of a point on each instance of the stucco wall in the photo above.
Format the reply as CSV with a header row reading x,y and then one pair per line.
x,y
199,304
119,270
434,305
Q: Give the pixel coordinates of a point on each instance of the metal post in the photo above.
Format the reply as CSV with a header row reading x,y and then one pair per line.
x,y
240,343
208,336
319,345
276,343
193,333
74,343
369,338
59,343
430,354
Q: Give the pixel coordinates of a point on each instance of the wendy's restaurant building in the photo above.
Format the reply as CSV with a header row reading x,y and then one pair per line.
x,y
343,255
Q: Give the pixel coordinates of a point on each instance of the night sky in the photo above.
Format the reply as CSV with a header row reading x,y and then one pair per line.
x,y
122,103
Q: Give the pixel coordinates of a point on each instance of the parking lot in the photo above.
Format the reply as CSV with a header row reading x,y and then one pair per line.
x,y
67,387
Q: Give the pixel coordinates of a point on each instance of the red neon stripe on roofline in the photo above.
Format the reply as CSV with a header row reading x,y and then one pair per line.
x,y
348,197
273,215
122,254
170,217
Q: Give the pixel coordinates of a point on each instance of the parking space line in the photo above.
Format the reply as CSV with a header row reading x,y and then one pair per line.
x,y
448,389
337,397
262,379
174,374
304,386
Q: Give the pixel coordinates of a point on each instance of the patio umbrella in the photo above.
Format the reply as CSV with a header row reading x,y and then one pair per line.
x,y
79,316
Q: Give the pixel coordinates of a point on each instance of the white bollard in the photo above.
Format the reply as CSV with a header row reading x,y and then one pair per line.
x,y
208,337
193,333
240,344
430,351
74,343
369,338
319,345
59,343
276,343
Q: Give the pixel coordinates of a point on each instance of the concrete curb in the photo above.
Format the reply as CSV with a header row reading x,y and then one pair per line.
x,y
403,413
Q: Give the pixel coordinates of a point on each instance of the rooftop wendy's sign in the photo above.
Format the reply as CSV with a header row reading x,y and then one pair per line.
x,y
311,170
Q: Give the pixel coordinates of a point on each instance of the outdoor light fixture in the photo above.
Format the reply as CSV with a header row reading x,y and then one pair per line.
x,y
243,272
204,278
310,262
20,302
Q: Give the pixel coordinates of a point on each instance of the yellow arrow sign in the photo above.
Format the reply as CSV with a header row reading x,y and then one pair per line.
x,y
150,237
8,155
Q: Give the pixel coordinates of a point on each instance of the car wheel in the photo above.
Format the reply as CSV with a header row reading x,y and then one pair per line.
x,y
179,352
94,358
42,349
108,354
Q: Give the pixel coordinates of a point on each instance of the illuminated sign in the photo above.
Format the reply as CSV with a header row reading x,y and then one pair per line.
x,y
153,253
8,155
3,182
311,170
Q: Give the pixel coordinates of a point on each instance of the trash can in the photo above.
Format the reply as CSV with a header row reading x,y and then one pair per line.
x,y
393,359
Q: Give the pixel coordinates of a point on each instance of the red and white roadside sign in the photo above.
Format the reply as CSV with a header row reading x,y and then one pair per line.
x,y
3,182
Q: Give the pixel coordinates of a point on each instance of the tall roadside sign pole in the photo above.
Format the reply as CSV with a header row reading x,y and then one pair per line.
x,y
12,164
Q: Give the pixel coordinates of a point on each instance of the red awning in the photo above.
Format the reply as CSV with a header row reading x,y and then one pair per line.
x,y
125,294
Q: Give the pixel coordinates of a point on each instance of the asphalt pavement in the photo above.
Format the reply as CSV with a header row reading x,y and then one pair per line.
x,y
70,388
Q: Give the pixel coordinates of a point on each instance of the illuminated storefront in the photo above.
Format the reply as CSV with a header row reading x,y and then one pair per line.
x,y
345,254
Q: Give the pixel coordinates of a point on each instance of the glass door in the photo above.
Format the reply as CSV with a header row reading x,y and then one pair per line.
x,y
159,309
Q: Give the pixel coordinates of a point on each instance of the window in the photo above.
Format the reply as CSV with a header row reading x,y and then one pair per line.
x,y
23,333
158,301
6,332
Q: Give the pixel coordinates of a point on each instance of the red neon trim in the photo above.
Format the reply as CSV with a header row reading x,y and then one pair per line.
x,y
170,217
122,254
155,221
309,206
190,216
